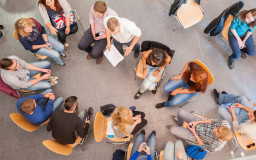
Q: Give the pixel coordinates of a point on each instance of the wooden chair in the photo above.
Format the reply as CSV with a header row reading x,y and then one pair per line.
x,y
227,24
58,148
246,143
100,130
161,156
30,91
129,150
39,57
20,121
189,14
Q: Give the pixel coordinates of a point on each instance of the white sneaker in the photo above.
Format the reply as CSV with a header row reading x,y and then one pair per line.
x,y
54,82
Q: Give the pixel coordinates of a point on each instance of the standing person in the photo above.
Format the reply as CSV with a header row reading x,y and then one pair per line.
x,y
69,123
240,35
193,79
96,33
124,32
38,108
33,37
59,18
18,74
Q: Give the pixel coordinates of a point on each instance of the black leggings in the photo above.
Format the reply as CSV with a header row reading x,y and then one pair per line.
x,y
140,125
62,35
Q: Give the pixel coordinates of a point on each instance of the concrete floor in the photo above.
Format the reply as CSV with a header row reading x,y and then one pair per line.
x,y
96,85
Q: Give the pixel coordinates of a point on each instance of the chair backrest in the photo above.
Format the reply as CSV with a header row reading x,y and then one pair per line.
x,y
129,150
100,127
227,24
244,141
210,76
161,157
56,147
20,121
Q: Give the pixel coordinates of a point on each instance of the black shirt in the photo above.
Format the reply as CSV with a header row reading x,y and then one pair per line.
x,y
64,125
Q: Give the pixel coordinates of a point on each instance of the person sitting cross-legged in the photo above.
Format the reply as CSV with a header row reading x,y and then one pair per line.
x,y
38,108
238,111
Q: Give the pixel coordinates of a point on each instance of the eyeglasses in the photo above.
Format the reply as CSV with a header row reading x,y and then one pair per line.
x,y
250,145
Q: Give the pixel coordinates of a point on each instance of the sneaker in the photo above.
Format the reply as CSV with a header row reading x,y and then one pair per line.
x,y
136,53
66,44
224,92
137,95
90,111
153,132
82,141
216,95
243,55
89,56
63,64
159,105
170,97
53,82
64,56
53,78
143,132
99,60
230,64
154,91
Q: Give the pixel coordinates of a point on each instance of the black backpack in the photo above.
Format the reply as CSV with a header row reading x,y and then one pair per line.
x,y
119,155
107,109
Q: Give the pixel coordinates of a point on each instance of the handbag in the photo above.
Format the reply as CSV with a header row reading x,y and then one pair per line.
x,y
107,109
196,152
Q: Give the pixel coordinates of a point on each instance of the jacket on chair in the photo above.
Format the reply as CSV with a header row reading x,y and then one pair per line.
x,y
176,5
217,25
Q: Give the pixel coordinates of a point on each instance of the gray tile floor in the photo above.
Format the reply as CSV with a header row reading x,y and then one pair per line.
x,y
96,85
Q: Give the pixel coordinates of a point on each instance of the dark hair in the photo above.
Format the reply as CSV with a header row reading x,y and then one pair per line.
x,y
27,106
100,7
254,113
5,63
56,4
69,102
158,56
243,14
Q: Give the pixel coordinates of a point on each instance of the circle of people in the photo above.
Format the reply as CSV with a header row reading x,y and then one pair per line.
x,y
211,134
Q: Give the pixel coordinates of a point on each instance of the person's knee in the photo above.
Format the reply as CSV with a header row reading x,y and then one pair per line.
x,y
169,145
173,130
174,102
180,112
81,46
95,53
243,99
142,115
251,52
48,91
46,64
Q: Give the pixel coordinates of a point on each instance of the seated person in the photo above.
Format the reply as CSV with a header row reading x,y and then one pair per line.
x,y
33,37
38,108
18,74
174,152
210,134
239,112
193,79
96,33
126,122
142,150
153,63
69,123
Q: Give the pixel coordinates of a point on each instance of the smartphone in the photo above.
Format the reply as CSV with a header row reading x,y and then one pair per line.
x,y
190,125
144,146
97,34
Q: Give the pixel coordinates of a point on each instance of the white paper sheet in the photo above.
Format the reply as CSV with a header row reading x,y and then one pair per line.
x,y
114,56
110,131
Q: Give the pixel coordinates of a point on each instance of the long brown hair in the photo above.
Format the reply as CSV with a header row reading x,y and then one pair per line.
x,y
56,4
243,14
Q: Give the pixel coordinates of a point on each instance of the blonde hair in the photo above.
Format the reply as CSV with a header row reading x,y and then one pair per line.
x,y
225,133
23,23
112,24
122,117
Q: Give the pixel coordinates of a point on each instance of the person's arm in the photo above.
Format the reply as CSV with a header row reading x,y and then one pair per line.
x,y
129,49
168,60
246,36
48,109
185,68
238,105
83,130
93,30
135,155
144,57
35,81
66,8
35,68
193,131
50,124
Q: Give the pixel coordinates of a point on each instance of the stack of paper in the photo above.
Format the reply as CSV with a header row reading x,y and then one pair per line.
x,y
113,55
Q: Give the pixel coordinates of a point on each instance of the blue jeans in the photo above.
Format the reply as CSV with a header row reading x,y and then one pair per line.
x,y
226,100
42,84
151,143
149,81
56,104
119,46
55,52
170,150
179,98
250,49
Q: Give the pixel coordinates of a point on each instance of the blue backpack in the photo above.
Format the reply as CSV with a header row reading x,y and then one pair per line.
x,y
195,152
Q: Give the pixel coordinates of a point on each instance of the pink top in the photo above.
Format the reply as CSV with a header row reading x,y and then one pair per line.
x,y
99,22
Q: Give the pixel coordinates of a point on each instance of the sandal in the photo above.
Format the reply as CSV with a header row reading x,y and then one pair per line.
x,y
137,95
89,56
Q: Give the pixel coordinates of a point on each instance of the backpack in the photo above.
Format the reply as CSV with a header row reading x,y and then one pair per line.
x,y
107,109
196,152
119,155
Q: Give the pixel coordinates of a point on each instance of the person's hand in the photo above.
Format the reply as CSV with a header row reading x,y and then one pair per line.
x,y
108,46
46,76
53,30
67,30
156,73
127,51
145,73
52,97
147,150
177,78
141,147
174,92
138,121
195,123
238,105
100,37
49,45
192,129
46,71
231,110
47,95
137,117
241,44
179,154
87,120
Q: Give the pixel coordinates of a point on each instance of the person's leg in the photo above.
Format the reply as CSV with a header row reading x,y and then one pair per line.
x,y
86,41
235,48
73,28
139,139
178,145
169,151
119,46
179,99
184,115
61,35
172,85
57,103
40,64
149,80
54,54
182,132
225,114
39,86
97,50
56,44
139,126
249,43
152,144
82,114
43,102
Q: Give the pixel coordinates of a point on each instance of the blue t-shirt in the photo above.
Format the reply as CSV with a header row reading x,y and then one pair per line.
x,y
241,27
39,115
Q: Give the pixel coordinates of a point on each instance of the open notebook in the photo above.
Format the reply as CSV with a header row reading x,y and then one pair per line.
x,y
110,131
114,56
